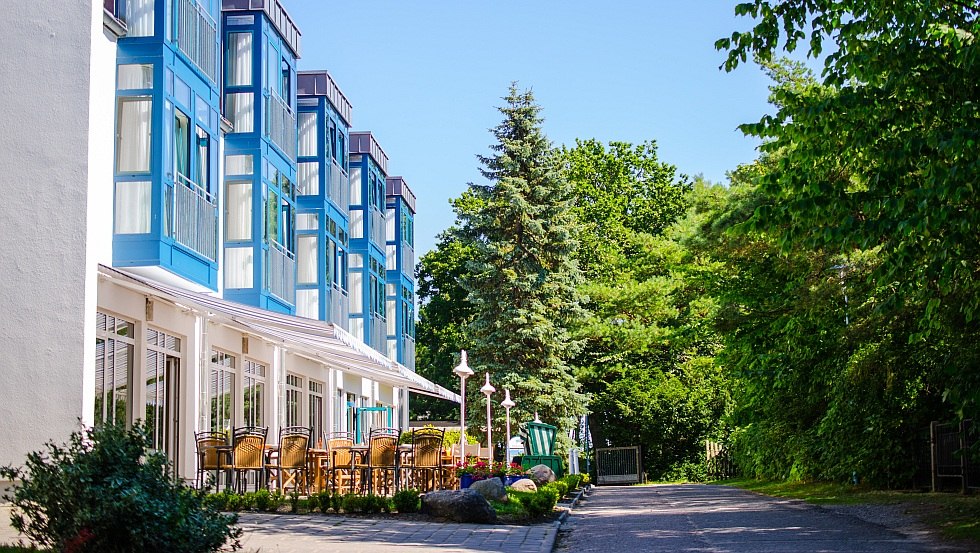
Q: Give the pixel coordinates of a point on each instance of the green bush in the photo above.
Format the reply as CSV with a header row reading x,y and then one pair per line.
x,y
234,502
107,491
406,501
320,501
337,501
353,503
536,503
573,481
561,487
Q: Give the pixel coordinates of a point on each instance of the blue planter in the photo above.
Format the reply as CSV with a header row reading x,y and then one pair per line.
x,y
509,480
465,481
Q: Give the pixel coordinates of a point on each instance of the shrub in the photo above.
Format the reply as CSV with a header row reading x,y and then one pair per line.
x,y
276,499
320,501
353,503
543,501
261,500
337,501
234,502
107,491
406,501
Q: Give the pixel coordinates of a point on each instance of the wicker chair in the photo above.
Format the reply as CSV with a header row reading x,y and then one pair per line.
x,y
379,471
340,460
425,471
248,454
212,455
291,468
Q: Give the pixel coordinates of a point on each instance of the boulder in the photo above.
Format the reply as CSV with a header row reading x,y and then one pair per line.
x,y
541,474
458,505
491,488
524,485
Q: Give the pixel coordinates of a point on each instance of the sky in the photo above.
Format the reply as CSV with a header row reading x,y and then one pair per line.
x,y
426,77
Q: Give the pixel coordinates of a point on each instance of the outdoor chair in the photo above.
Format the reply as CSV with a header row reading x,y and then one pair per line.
x,y
379,470
340,461
248,455
212,455
539,446
291,468
425,469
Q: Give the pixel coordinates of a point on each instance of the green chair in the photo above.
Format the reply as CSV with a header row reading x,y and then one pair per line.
x,y
539,446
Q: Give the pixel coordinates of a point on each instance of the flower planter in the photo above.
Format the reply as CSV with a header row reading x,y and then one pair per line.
x,y
510,479
466,480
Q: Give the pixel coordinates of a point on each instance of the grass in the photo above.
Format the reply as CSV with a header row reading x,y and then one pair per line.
x,y
953,515
17,549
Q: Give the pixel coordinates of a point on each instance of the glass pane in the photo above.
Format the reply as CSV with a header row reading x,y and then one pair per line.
x,y
307,221
239,59
308,178
356,227
238,211
133,135
306,259
239,165
133,207
181,144
238,268
308,303
307,134
240,111
356,292
139,18
137,75
355,186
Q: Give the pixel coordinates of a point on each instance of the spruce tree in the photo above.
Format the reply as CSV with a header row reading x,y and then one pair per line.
x,y
522,278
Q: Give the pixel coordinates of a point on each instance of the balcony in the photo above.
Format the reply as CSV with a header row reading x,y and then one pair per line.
x,y
192,217
339,191
379,333
409,351
195,34
281,125
407,262
377,227
280,273
339,306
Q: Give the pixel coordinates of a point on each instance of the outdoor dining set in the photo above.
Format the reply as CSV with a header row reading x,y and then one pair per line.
x,y
338,462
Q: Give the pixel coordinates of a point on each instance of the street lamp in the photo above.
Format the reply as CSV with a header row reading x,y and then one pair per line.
x,y
488,389
507,403
463,371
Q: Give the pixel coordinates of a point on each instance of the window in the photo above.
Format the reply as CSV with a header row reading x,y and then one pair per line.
x,y
285,83
390,225
239,164
356,223
133,199
203,160
307,221
349,405
240,111
272,217
306,259
355,186
133,134
139,17
307,134
182,134
331,259
114,348
239,267
238,211
162,363
308,303
238,59
308,178
254,393
134,76
294,399
316,409
221,392
391,257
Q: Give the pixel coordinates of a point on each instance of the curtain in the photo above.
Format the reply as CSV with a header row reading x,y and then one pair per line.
x,y
238,267
356,223
133,207
308,303
308,178
355,186
203,159
181,145
356,292
307,134
306,259
139,17
240,108
133,138
238,211
134,76
239,59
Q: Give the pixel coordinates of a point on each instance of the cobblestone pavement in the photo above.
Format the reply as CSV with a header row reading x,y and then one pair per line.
x,y
717,519
266,533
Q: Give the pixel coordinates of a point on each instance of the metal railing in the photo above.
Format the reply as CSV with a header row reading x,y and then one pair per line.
x,y
377,225
280,272
407,261
196,34
281,125
339,186
952,446
409,344
379,333
192,217
339,306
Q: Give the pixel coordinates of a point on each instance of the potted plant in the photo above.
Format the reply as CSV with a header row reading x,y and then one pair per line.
x,y
513,472
471,470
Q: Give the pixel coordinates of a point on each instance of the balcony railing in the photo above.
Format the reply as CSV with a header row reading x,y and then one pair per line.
x,y
192,217
196,34
281,125
339,186
379,333
407,263
377,227
409,352
280,272
339,306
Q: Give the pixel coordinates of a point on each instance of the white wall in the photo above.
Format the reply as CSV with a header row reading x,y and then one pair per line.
x,y
52,51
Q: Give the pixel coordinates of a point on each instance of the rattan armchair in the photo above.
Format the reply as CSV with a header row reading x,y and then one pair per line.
x,y
425,470
212,455
379,470
291,468
248,454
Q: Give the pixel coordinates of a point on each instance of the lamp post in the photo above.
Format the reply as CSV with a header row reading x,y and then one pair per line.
x,y
507,403
463,371
488,389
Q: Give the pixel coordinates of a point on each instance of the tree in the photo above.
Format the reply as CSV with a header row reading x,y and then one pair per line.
x,y
884,155
522,277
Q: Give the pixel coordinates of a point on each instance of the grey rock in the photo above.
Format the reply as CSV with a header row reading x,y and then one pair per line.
x,y
491,488
459,505
524,485
541,474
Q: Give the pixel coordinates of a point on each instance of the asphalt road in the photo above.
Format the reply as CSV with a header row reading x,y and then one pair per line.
x,y
716,519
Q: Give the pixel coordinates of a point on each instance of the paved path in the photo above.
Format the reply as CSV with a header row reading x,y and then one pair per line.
x,y
266,533
717,519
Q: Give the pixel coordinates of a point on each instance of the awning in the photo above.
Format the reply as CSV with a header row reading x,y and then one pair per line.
x,y
314,339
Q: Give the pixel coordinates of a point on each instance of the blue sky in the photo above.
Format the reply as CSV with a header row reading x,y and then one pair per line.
x,y
426,76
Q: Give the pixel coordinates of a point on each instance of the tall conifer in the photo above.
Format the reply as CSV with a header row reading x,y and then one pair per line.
x,y
523,275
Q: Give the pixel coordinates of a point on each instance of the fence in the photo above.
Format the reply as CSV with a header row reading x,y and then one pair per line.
x,y
718,461
951,446
618,465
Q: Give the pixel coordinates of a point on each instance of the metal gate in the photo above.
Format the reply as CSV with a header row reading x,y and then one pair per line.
x,y
618,465
951,448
